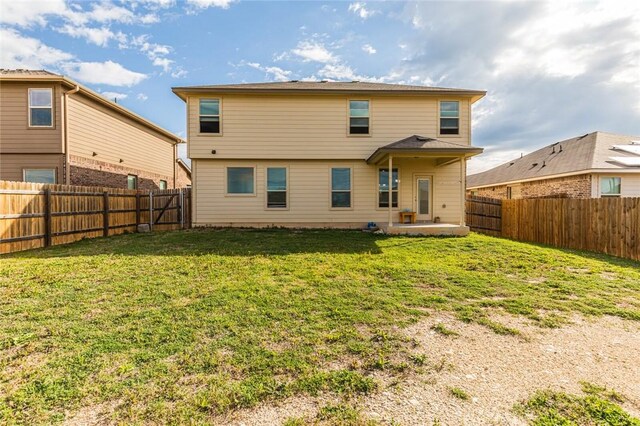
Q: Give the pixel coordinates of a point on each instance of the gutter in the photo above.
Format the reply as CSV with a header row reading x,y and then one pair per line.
x,y
65,131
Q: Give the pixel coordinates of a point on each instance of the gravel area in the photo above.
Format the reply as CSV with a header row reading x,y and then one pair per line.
x,y
496,371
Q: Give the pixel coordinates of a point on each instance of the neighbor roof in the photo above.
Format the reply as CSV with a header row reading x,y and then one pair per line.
x,y
587,152
324,86
44,75
420,145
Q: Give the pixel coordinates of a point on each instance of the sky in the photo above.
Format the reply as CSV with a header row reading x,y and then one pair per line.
x,y
551,70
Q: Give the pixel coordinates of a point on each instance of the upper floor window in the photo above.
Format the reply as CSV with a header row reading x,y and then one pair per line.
x,y
277,187
610,186
449,117
40,107
240,180
359,117
209,115
39,175
132,182
340,187
383,188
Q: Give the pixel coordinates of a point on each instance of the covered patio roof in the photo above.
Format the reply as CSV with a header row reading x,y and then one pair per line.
x,y
422,146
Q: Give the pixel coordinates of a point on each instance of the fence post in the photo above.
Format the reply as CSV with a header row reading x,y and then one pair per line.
x,y
105,214
150,210
181,207
47,217
137,208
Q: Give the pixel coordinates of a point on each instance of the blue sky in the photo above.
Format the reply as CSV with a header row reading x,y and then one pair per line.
x,y
552,70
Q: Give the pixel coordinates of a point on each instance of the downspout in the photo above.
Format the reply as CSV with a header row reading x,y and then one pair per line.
x,y
175,164
65,131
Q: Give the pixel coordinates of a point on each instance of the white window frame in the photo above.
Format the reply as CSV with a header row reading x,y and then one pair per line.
x,y
24,173
211,115
266,188
166,184
440,117
349,117
136,181
331,190
378,189
226,181
50,90
609,195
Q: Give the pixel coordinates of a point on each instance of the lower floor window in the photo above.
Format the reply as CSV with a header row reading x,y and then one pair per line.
x,y
276,187
240,180
383,188
39,175
340,187
163,184
132,182
610,186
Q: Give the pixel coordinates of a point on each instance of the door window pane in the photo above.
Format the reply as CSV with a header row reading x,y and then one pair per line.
x,y
423,196
240,180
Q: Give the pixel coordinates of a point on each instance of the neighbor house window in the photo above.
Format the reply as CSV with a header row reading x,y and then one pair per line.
x,y
209,115
358,117
163,184
449,117
610,186
383,188
41,107
276,187
132,181
39,175
240,180
340,187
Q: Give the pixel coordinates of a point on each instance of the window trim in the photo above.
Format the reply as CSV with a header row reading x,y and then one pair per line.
x,y
29,108
226,180
219,99
378,189
266,188
370,117
449,135
331,191
137,181
609,195
54,170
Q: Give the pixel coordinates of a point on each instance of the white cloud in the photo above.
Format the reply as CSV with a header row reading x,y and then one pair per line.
x,y
26,13
164,63
314,51
18,51
108,12
203,4
109,73
114,95
142,97
369,49
276,73
179,72
97,36
361,10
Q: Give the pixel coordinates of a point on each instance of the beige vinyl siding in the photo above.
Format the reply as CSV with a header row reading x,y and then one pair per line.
x,y
11,165
629,184
15,134
314,126
95,128
309,193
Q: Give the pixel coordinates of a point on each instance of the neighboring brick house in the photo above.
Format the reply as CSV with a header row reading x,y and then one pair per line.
x,y
53,130
594,165
183,175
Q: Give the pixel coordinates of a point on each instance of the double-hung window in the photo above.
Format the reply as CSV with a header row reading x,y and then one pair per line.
x,y
449,117
277,187
40,107
359,117
610,186
240,180
210,116
39,175
340,187
383,188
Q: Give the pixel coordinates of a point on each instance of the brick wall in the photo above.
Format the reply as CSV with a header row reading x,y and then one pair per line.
x,y
90,172
182,178
578,186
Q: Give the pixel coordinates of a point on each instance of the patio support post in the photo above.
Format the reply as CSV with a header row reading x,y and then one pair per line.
x,y
390,188
463,189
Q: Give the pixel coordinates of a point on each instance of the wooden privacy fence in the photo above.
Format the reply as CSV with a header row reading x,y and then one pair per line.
x,y
605,225
39,215
484,215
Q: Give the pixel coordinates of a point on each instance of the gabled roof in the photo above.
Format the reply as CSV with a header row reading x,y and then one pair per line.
x,y
25,75
184,165
587,152
417,144
295,86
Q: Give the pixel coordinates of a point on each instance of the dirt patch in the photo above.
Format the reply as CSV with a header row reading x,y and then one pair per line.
x,y
496,371
93,415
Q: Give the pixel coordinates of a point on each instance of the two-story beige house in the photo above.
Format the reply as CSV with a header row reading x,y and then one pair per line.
x,y
329,154
54,130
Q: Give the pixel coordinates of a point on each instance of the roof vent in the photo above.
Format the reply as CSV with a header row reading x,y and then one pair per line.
x,y
560,148
421,138
294,81
324,81
583,136
512,163
544,164
355,81
535,164
553,151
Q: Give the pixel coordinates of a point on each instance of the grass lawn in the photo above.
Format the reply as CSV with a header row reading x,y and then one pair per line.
x,y
179,327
